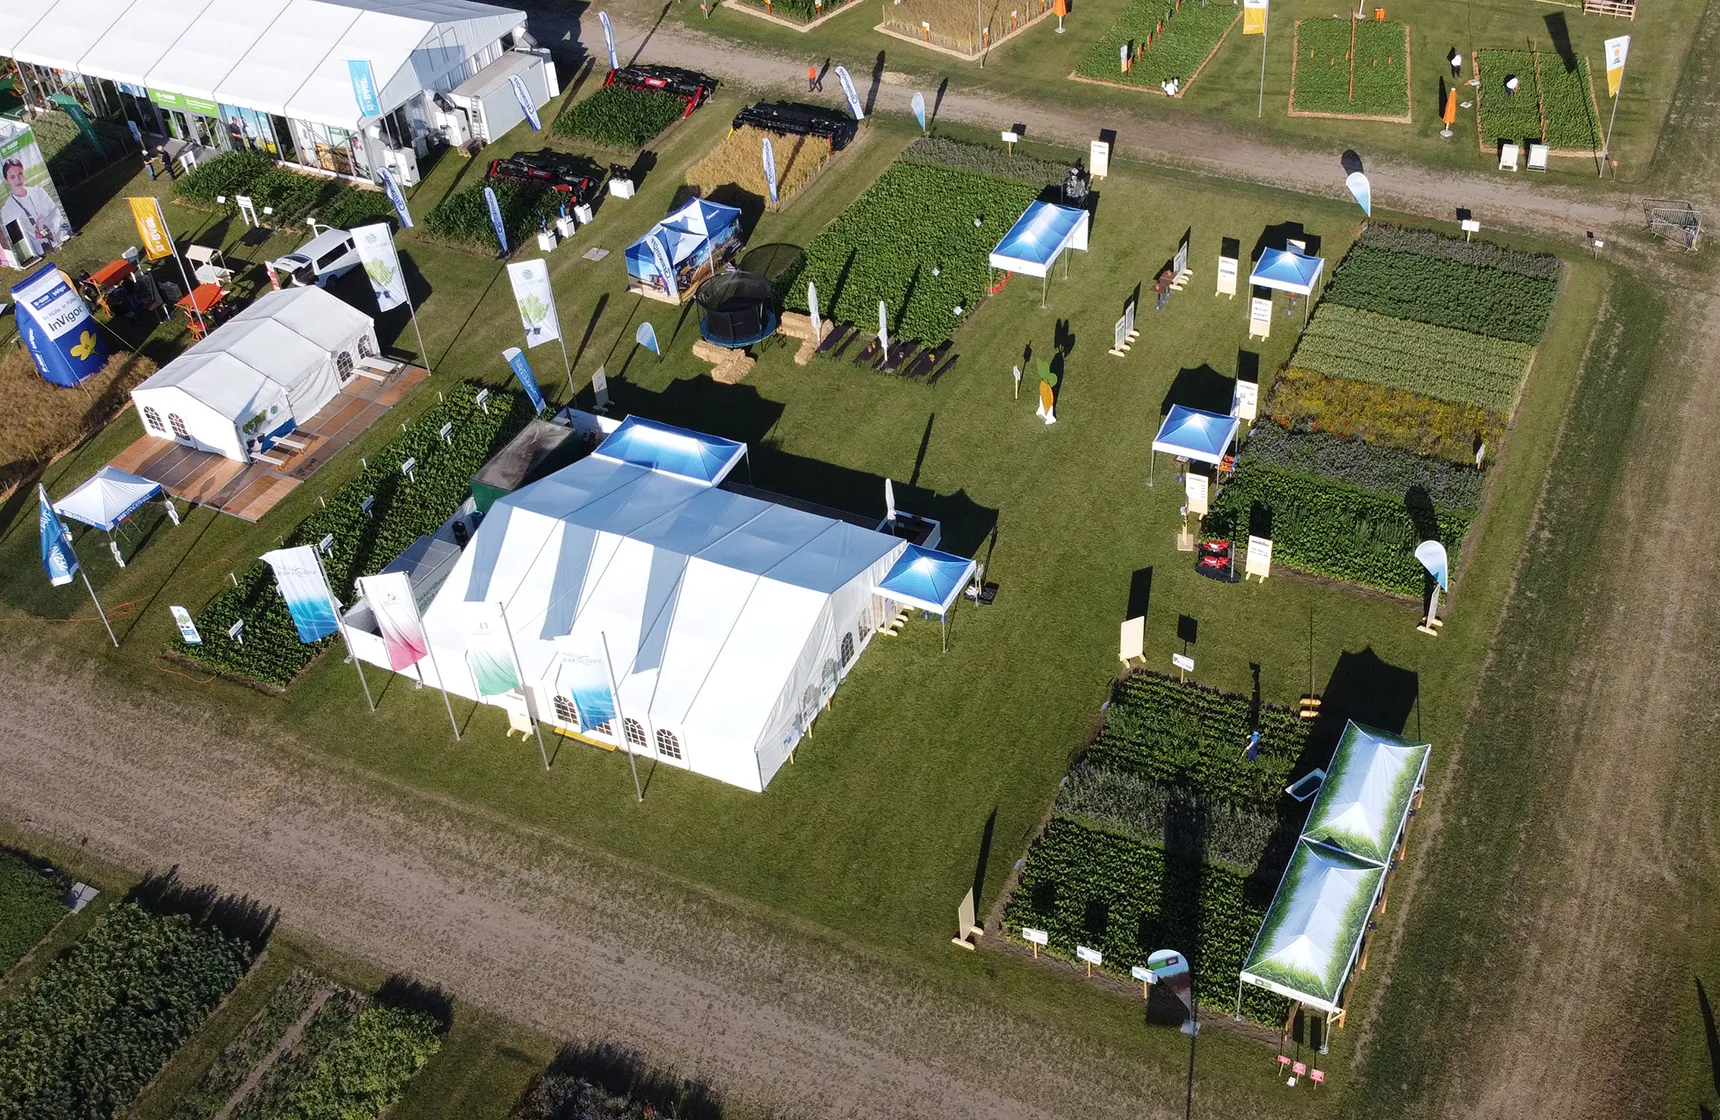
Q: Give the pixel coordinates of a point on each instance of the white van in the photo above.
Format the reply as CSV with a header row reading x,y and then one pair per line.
x,y
329,255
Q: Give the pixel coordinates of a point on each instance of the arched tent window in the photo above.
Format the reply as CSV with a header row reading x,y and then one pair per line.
x,y
635,733
667,745
343,365
565,712
179,431
365,349
847,649
153,419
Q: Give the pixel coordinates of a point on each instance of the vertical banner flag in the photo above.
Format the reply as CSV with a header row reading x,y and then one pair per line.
x,y
187,628
396,611
391,188
306,592
151,227
920,110
848,92
584,676
1362,190
1179,264
524,97
58,560
381,264
1254,17
57,328
883,328
490,649
646,336
609,40
363,87
28,201
1616,50
665,268
496,218
812,306
769,153
72,109
523,370
1169,967
1432,557
532,295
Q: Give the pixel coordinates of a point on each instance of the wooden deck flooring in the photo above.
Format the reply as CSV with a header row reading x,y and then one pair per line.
x,y
250,490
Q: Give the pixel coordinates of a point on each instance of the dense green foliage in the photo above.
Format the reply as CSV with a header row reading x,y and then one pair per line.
x,y
1480,253
1322,526
1119,799
1444,292
1569,97
916,219
463,219
30,906
981,159
1189,36
352,1062
259,1038
1565,94
88,1033
290,194
1323,71
404,510
1385,471
618,117
803,10
1451,365
1127,899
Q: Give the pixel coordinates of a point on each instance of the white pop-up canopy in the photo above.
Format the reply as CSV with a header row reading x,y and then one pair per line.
x,y
1038,238
107,498
254,379
727,621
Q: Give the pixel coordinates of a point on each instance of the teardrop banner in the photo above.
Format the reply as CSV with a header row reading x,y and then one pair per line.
x,y
1363,192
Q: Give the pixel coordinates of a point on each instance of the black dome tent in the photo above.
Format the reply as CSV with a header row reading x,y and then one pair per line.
x,y
739,309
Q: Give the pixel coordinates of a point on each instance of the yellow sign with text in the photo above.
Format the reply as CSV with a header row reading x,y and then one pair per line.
x,y
1254,17
151,227
1616,50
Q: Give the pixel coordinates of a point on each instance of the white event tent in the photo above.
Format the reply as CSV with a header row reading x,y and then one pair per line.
x,y
727,621
1038,238
258,376
1313,931
1193,433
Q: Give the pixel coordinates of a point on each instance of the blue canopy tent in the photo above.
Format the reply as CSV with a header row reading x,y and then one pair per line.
x,y
1286,270
671,450
1038,237
1190,433
696,240
930,580
106,500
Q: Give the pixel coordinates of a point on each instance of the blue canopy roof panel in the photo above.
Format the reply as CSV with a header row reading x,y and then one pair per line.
x,y
1038,236
927,578
1194,434
1287,271
671,450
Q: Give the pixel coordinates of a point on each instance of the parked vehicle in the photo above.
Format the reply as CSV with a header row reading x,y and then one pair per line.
x,y
553,169
329,255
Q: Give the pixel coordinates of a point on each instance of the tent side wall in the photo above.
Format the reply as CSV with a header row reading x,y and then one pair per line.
x,y
207,428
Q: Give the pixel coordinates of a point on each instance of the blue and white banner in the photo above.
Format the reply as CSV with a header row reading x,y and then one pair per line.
x,y
812,306
1432,557
646,336
523,370
302,585
609,40
665,268
57,328
583,676
1363,192
187,627
496,218
524,97
920,110
770,167
363,87
848,92
490,650
391,188
58,559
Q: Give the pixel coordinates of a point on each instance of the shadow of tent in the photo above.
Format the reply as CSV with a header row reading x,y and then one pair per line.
x,y
1368,690
1199,387
1279,236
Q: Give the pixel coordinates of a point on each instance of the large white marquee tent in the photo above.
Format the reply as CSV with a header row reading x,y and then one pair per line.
x,y
728,621
258,376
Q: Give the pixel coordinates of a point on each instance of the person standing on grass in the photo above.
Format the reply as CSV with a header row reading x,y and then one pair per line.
x,y
1456,61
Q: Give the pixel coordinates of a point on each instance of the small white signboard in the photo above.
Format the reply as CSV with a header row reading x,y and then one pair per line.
x,y
407,468
1196,488
1132,641
237,631
1470,225
1260,318
1098,159
600,388
1179,264
1227,276
187,628
1010,137
1143,975
1182,661
1091,956
1120,341
1034,936
1259,561
482,400
1245,400
326,545
1129,318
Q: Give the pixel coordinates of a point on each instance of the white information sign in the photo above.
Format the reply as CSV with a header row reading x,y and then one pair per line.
x,y
1195,485
1245,400
1260,318
1259,561
1091,956
1132,639
1182,661
600,388
1141,975
1179,264
1034,936
1098,159
187,628
1227,276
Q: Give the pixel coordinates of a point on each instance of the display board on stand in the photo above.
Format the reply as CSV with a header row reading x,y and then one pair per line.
x,y
1195,485
1260,318
1245,400
1259,562
1132,640
1098,159
1227,277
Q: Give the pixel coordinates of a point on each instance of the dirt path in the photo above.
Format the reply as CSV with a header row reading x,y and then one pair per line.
x,y
1193,143
579,947
285,1047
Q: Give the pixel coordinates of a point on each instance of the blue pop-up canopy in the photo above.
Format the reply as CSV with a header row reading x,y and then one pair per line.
x,y
671,450
1287,271
1190,433
928,579
1034,242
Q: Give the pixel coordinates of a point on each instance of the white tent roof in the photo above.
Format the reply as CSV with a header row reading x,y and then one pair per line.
x,y
210,49
1314,926
1032,244
139,38
706,598
1367,793
279,63
16,20
67,30
107,498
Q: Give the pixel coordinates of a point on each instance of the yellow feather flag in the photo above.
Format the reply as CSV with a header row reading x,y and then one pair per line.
x,y
1254,17
1616,50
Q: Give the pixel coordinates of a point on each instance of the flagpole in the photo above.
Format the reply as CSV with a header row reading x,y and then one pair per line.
x,y
1606,156
183,275
430,652
567,365
609,668
1260,109
340,624
423,353
520,675
66,539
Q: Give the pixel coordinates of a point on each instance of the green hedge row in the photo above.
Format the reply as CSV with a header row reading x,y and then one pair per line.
x,y
404,510
86,1035
1479,254
352,1062
1381,470
1444,292
979,159
463,219
261,1036
291,194
618,117
1127,899
30,906
1322,526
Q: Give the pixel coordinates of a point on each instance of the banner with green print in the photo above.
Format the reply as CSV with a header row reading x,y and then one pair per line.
x,y
381,264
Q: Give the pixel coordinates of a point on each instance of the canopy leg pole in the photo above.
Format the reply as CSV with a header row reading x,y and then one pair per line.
x,y
1152,462
1044,283
944,624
